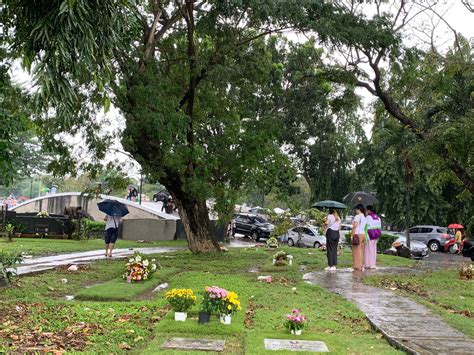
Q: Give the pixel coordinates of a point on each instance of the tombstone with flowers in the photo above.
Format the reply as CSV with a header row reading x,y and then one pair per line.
x,y
138,269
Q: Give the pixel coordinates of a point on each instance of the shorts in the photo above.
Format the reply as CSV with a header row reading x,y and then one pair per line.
x,y
111,235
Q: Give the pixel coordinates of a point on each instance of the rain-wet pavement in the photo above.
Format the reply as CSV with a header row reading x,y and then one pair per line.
x,y
44,263
50,262
405,323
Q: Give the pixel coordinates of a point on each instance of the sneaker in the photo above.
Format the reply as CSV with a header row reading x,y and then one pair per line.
x,y
332,268
327,268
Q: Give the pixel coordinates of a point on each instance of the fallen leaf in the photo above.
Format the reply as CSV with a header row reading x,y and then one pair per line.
x,y
124,346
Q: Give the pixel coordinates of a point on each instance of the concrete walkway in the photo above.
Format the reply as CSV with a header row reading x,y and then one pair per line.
x,y
404,323
43,263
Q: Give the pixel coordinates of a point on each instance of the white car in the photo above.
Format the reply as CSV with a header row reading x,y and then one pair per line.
x,y
345,228
307,235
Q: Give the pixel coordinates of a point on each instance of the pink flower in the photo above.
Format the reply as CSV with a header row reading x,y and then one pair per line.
x,y
295,311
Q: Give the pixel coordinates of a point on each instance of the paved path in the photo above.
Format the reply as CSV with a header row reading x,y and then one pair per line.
x,y
50,262
43,263
405,323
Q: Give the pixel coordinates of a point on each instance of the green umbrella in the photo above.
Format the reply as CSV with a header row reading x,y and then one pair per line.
x,y
329,204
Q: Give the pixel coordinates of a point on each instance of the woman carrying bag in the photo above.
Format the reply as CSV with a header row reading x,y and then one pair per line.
x,y
358,238
333,224
374,231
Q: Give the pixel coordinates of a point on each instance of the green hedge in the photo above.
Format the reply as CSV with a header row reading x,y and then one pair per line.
x,y
385,241
93,226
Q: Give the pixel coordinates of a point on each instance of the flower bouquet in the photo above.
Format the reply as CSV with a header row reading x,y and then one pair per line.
x,y
295,322
138,268
280,258
466,271
211,302
42,214
229,305
180,301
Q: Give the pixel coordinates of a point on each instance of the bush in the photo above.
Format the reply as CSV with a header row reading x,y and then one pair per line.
x,y
8,261
93,226
385,241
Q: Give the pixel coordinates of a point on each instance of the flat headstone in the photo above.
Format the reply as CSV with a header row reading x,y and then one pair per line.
x,y
296,345
194,344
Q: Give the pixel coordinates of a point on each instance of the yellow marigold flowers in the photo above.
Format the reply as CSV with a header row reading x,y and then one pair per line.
x,y
180,299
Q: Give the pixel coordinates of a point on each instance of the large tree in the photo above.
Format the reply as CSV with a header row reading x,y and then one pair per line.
x,y
369,47
192,80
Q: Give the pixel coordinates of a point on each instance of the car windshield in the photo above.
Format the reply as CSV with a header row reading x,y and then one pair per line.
x,y
402,239
259,219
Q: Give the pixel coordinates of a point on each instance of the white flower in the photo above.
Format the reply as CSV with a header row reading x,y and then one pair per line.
x,y
138,258
146,262
294,289
130,260
153,266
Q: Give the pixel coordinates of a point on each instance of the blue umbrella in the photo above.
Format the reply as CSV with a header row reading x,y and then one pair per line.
x,y
113,208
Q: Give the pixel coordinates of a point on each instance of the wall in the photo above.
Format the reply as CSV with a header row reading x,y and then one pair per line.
x,y
148,229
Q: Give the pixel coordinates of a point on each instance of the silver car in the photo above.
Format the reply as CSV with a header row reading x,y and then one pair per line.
x,y
418,249
433,236
307,235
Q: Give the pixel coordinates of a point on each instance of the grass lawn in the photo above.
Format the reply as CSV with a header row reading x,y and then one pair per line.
x,y
38,246
36,317
442,291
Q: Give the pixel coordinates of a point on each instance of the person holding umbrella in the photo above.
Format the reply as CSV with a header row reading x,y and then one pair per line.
x,y
358,238
114,211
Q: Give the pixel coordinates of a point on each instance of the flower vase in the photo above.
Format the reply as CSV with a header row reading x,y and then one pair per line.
x,y
226,319
204,317
180,316
290,262
296,331
129,279
274,261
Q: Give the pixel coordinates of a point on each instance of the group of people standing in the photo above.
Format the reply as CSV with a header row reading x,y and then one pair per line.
x,y
366,230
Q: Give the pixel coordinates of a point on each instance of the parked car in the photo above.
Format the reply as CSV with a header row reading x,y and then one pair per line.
x,y
434,237
253,226
309,235
161,196
468,249
345,228
418,249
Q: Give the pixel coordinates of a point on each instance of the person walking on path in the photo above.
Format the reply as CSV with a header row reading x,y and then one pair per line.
x,y
111,233
373,233
169,206
333,224
358,238
458,239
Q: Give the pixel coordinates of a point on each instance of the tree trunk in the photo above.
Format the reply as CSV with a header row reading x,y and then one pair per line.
x,y
195,219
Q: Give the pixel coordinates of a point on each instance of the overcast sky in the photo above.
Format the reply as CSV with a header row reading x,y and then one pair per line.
x,y
453,12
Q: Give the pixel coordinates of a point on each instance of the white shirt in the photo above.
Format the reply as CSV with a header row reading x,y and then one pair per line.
x,y
112,222
361,222
333,224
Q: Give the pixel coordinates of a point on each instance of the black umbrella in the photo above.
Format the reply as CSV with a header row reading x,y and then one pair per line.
x,y
360,197
113,208
329,204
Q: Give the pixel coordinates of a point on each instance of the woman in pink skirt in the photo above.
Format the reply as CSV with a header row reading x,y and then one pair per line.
x,y
373,232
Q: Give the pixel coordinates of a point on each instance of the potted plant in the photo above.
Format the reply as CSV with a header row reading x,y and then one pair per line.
x,y
180,301
279,259
211,302
230,304
295,322
466,271
272,242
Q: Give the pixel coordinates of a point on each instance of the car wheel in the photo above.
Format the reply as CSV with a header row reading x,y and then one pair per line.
x,y
317,245
255,236
291,243
453,249
434,245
